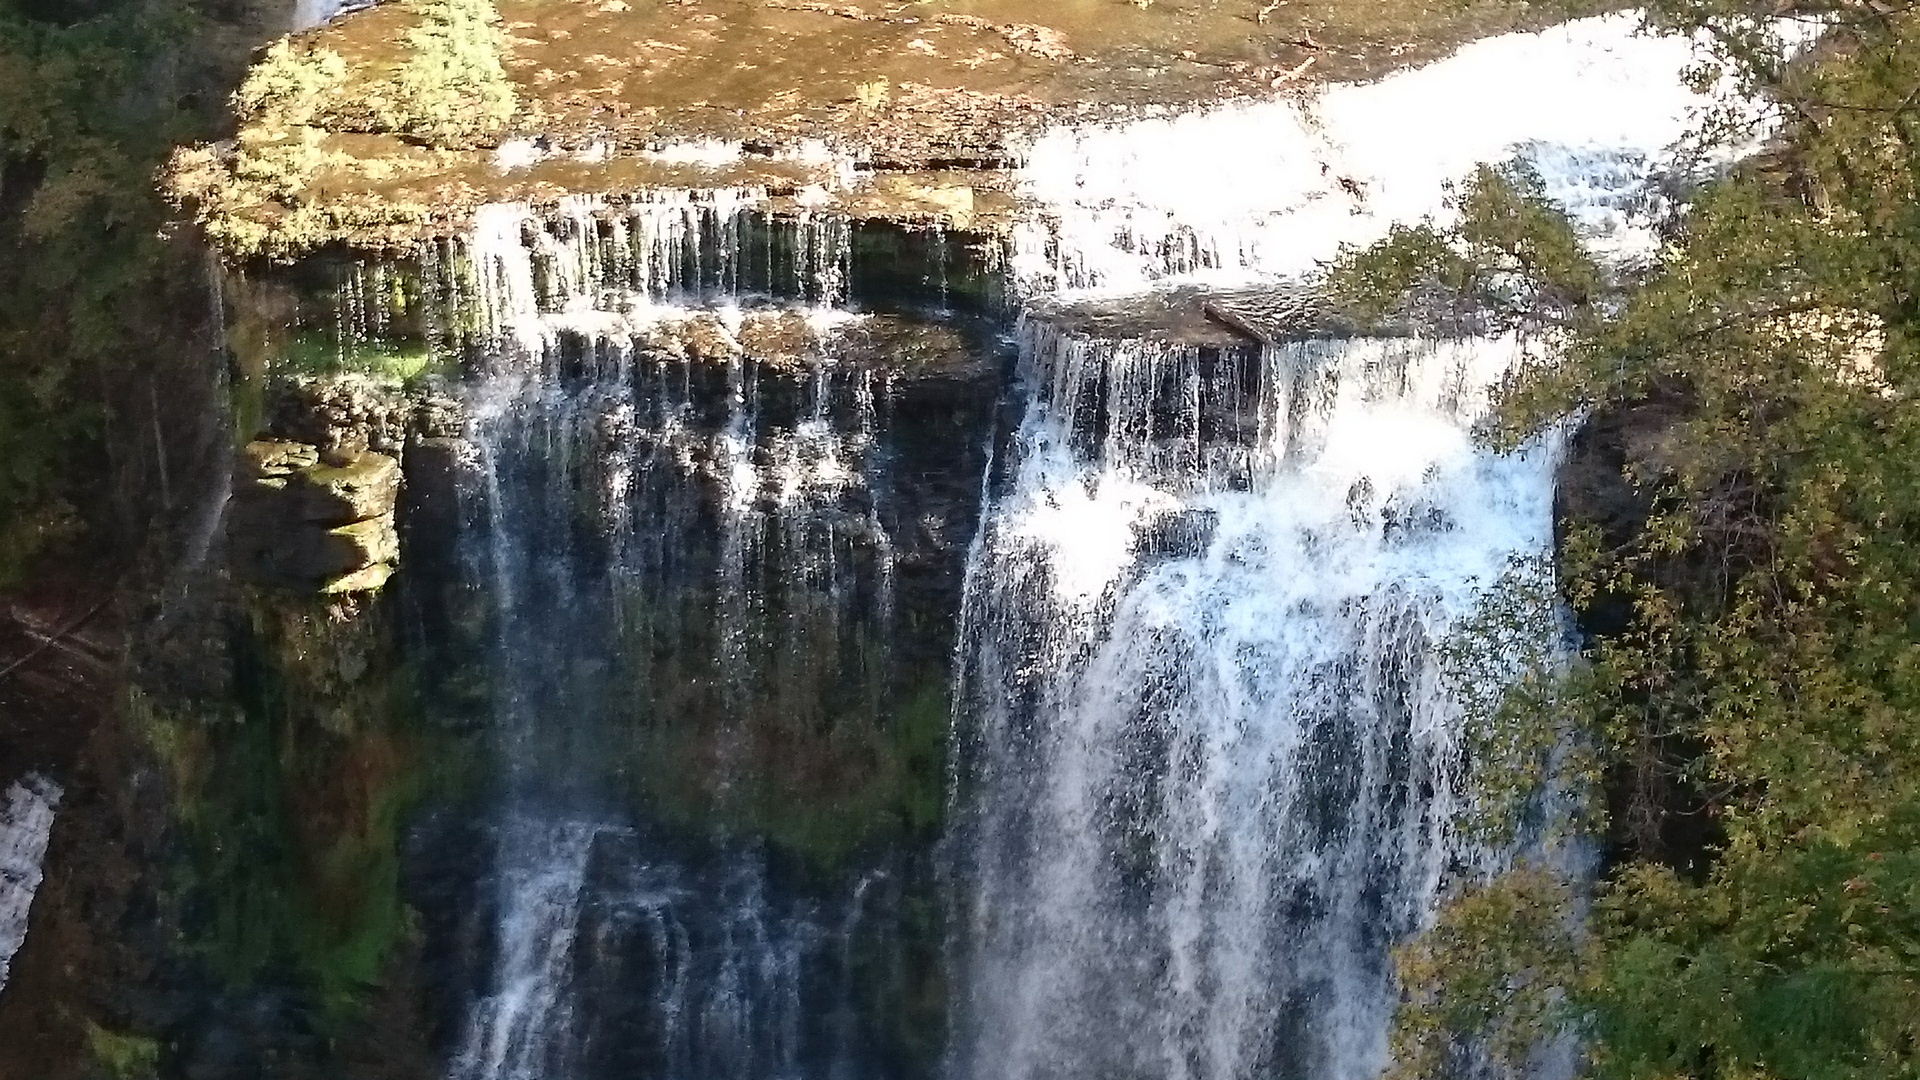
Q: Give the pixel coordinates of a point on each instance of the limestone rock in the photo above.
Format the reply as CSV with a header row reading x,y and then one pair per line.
x,y
352,547
436,416
276,459
302,519
340,414
362,485
365,579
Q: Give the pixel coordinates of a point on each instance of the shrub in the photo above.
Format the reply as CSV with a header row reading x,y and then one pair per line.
x,y
452,86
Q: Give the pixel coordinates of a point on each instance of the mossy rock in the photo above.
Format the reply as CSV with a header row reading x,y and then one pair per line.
x,y
359,486
276,459
354,547
365,579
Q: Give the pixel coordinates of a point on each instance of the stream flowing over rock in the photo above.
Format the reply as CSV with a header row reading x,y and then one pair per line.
x,y
26,822
711,607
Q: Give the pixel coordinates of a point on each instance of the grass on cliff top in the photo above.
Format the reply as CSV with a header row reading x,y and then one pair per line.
x,y
316,354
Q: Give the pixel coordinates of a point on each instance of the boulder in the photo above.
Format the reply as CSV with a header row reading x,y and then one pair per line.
x,y
360,486
347,548
303,519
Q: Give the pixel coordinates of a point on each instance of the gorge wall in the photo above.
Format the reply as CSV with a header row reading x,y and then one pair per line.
x,y
954,604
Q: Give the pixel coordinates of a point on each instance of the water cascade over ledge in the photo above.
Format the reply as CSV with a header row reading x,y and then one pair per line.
x,y
686,491
1209,767
1202,771
1207,770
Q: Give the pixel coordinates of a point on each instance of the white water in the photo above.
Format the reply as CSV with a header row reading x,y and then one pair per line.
x,y
608,485
607,270
1208,766
311,13
26,823
1255,190
1207,771
511,1032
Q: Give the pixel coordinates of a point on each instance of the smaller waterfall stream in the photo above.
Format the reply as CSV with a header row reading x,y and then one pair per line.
x,y
510,1033
677,520
26,823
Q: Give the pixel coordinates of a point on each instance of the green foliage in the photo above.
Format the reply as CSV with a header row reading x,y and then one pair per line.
x,y
319,355
89,290
122,1057
289,85
281,105
452,87
290,807
1504,667
446,86
1513,258
1751,585
1498,965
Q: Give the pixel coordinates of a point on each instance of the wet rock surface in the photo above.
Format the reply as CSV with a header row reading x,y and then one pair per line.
x,y
326,526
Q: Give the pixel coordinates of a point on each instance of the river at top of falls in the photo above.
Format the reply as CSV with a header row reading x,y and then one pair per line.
x,y
1205,767
1255,189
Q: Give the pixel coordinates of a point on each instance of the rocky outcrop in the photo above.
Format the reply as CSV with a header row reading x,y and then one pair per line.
x,y
303,522
317,495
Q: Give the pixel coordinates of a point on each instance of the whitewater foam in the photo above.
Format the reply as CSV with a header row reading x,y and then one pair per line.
x,y
26,824
1256,190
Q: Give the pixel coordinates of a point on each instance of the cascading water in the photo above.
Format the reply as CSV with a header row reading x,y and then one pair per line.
x,y
26,823
689,568
1209,765
1207,768
1246,191
311,13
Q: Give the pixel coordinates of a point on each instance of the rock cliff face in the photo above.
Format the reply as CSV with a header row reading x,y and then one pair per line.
x,y
316,498
702,502
299,522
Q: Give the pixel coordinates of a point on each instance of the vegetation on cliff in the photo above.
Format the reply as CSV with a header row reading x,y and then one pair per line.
x,y
444,86
96,304
1742,549
451,86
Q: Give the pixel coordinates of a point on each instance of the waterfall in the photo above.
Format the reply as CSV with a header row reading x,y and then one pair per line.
x,y
311,13
675,523
1208,767
26,823
510,1034
1207,771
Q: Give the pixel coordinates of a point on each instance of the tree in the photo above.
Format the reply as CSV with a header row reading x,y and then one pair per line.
x,y
1745,561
